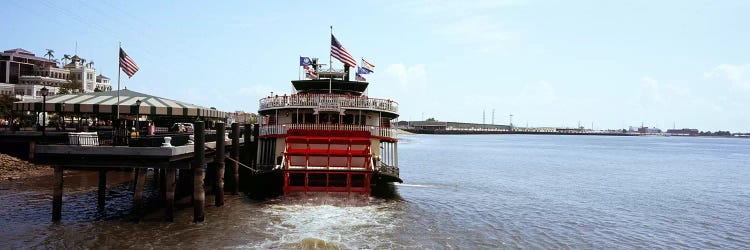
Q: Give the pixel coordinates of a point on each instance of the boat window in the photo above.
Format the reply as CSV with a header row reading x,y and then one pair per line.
x,y
354,119
385,122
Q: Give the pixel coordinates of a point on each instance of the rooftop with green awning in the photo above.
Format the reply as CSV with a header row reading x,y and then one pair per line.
x,y
107,103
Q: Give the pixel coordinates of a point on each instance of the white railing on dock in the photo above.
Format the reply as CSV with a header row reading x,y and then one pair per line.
x,y
281,129
328,100
83,139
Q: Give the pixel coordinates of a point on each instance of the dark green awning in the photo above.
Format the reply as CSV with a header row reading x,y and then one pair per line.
x,y
106,103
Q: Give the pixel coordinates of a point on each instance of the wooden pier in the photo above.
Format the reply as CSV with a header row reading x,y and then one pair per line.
x,y
167,162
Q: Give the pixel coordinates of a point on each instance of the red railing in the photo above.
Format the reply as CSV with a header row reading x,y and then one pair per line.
x,y
328,100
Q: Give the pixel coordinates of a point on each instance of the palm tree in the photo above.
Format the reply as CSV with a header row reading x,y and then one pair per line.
x,y
91,63
50,54
65,58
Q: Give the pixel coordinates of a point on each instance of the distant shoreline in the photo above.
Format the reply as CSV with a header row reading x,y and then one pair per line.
x,y
465,132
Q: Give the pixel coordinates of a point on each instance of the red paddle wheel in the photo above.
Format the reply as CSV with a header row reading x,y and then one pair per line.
x,y
327,161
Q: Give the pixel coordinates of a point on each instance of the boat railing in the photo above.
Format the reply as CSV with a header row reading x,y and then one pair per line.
x,y
385,169
281,129
328,100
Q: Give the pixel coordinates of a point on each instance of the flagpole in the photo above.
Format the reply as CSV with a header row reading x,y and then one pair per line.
x,y
299,71
330,65
119,68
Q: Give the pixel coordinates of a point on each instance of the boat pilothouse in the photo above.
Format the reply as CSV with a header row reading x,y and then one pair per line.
x,y
328,136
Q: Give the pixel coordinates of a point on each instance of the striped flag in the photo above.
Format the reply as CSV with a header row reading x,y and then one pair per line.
x,y
339,52
367,65
127,64
311,75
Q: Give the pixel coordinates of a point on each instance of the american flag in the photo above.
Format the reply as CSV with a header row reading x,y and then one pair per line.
x,y
339,52
127,64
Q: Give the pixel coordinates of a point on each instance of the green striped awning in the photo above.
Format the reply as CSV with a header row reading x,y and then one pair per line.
x,y
106,103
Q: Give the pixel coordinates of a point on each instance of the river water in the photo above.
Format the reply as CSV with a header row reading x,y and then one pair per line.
x,y
483,191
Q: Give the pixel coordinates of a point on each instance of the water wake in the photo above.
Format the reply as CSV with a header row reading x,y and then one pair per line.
x,y
310,223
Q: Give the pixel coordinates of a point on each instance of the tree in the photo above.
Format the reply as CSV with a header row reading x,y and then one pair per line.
x,y
251,119
71,87
66,58
50,54
431,119
6,105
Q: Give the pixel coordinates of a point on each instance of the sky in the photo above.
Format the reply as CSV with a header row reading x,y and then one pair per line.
x,y
606,64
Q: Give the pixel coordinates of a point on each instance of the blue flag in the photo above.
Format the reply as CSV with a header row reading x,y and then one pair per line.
x,y
304,61
363,71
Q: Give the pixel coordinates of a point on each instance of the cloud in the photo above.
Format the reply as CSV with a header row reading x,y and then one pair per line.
x,y
480,31
738,75
472,23
257,90
449,7
408,77
541,91
650,91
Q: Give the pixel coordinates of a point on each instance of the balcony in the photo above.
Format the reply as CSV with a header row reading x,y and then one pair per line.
x,y
281,129
328,101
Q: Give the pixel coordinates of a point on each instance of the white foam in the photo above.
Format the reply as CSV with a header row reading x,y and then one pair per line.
x,y
327,226
414,185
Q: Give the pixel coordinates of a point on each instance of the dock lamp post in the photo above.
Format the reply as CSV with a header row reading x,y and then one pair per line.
x,y
44,92
137,115
62,115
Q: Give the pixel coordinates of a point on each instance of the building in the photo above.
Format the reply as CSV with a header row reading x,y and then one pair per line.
x,y
241,117
647,130
438,125
684,131
23,74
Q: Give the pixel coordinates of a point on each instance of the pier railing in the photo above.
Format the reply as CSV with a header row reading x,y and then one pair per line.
x,y
281,129
123,137
328,101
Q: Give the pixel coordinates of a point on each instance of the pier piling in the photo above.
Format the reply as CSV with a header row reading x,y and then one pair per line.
x,y
169,194
198,166
253,147
251,153
57,194
219,161
140,179
102,191
235,154
156,176
162,184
